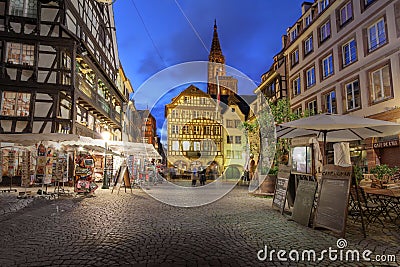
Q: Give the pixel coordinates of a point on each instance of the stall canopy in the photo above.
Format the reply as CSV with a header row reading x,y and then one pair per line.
x,y
34,138
72,140
137,149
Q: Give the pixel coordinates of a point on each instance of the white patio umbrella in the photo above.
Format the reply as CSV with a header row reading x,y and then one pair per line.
x,y
334,128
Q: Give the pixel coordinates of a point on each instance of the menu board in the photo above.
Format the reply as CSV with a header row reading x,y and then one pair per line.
x,y
331,211
281,185
304,201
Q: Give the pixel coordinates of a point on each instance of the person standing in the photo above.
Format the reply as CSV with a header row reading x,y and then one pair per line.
x,y
202,174
252,167
194,176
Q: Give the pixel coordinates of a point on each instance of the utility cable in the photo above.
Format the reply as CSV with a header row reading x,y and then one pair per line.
x,y
191,25
149,35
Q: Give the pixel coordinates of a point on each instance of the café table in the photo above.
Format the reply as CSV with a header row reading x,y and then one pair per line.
x,y
388,199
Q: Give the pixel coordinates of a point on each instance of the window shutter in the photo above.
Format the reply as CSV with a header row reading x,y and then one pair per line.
x,y
369,88
323,101
344,93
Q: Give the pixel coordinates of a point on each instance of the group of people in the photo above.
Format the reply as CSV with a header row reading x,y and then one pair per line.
x,y
201,174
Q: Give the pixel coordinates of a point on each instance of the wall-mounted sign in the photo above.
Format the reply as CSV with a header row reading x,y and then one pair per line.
x,y
384,144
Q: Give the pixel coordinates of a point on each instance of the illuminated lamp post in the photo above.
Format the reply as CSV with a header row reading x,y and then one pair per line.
x,y
106,137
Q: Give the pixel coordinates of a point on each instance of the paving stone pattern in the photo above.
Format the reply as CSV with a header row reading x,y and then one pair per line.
x,y
134,229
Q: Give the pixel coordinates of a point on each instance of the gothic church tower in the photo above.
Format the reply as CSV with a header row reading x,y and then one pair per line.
x,y
216,67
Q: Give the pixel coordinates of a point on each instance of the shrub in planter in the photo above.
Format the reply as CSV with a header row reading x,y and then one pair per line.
x,y
383,172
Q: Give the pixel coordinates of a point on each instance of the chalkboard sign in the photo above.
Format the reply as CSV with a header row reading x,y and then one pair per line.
x,y
304,201
331,212
281,185
122,176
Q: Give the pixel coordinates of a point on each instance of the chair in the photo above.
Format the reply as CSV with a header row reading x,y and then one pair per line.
x,y
369,210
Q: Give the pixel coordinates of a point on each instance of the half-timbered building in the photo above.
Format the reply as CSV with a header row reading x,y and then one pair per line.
x,y
58,68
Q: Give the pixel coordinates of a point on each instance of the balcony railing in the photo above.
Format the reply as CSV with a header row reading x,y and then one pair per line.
x,y
96,100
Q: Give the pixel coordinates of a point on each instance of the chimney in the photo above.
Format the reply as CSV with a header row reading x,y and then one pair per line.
x,y
284,40
305,6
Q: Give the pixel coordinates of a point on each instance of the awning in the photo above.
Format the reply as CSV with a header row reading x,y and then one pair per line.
x,y
34,138
137,149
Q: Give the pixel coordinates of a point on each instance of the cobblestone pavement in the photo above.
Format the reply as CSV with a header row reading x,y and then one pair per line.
x,y
134,229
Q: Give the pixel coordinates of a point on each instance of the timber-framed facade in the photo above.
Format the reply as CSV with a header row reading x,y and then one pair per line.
x,y
58,68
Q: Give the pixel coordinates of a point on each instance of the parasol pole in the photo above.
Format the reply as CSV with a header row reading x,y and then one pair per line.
x,y
325,149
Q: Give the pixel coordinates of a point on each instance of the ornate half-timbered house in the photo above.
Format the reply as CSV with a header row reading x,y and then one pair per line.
x,y
58,68
194,131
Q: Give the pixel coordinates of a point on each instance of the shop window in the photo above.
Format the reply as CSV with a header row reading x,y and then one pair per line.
x,y
15,104
301,159
22,54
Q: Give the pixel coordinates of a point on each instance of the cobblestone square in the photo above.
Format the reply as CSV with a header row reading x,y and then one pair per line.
x,y
134,229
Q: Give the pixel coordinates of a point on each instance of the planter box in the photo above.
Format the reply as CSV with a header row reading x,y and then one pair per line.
x,y
268,185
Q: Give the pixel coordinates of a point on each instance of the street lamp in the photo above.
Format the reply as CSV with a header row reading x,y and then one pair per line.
x,y
106,137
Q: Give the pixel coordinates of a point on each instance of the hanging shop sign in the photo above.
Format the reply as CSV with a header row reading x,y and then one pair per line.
x,y
391,143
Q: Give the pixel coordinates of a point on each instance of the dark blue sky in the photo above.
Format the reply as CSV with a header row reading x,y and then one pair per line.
x,y
249,32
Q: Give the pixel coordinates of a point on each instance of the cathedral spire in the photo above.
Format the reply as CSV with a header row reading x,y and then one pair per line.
x,y
216,52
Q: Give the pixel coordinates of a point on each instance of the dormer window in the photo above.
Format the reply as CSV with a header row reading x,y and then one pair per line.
x,y
322,5
308,20
293,35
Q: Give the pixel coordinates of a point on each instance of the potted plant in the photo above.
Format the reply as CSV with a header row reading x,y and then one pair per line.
x,y
384,172
268,185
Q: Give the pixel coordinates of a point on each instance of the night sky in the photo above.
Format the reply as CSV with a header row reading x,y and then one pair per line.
x,y
249,32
